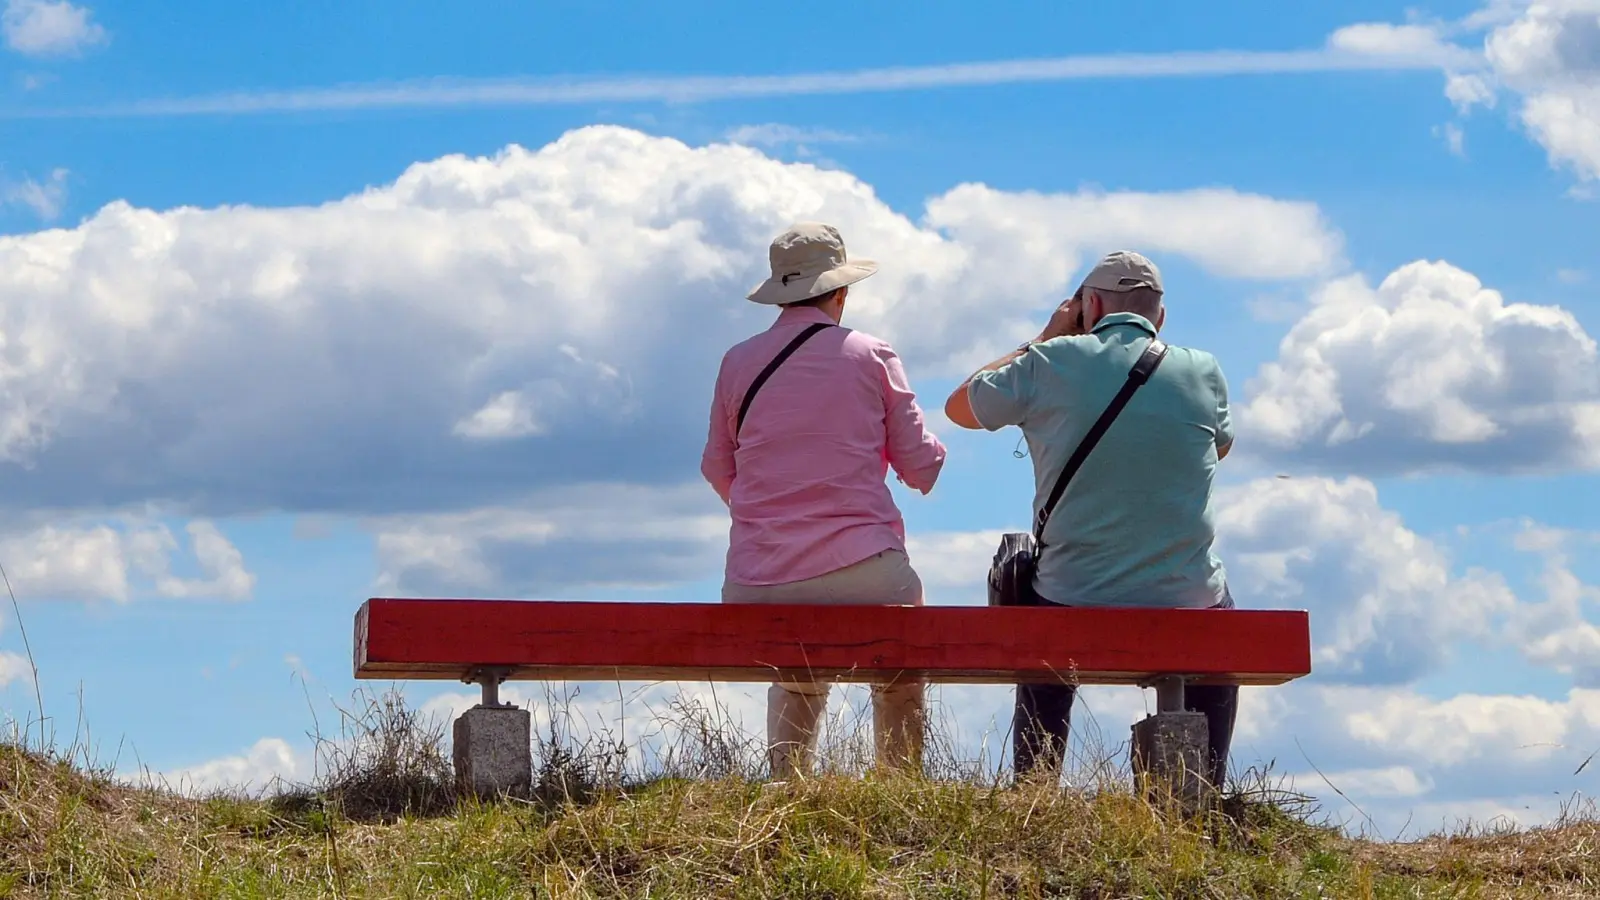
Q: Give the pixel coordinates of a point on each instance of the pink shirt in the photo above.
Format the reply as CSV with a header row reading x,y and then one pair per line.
x,y
804,481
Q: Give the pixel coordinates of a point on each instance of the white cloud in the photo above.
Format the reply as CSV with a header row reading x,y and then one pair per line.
x,y
1429,370
1549,54
1454,138
1414,43
14,667
49,28
45,198
773,134
1558,631
508,414
953,564
701,89
569,302
609,535
221,565
120,561
267,764
1387,782
1546,54
1385,606
1466,91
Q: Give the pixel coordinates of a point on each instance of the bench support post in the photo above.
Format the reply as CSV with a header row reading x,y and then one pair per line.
x,y
1170,748
493,743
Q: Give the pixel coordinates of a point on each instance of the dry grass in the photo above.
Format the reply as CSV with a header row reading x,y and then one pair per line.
x,y
695,821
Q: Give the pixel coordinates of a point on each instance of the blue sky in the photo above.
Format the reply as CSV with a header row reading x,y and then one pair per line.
x,y
259,268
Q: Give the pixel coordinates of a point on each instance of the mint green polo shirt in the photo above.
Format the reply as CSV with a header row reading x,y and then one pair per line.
x,y
1135,525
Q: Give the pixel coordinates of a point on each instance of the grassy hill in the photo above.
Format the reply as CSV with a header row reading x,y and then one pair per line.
x,y
65,832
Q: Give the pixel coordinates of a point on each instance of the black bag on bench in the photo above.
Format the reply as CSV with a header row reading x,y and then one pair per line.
x,y
1017,559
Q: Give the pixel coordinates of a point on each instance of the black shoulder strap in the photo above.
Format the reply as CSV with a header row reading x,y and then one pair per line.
x,y
777,361
1137,376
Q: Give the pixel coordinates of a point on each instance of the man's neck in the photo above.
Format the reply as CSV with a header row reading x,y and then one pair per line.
x,y
808,314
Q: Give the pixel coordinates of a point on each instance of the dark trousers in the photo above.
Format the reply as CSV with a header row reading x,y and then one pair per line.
x,y
1044,713
1040,723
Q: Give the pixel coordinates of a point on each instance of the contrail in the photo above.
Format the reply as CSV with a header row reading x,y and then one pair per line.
x,y
440,93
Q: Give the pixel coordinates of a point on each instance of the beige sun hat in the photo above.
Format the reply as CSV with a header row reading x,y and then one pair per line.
x,y
808,261
1121,271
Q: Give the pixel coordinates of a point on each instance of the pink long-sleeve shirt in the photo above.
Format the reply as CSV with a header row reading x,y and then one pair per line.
x,y
805,479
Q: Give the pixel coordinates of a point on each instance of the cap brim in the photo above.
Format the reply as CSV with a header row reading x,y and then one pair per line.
x,y
774,292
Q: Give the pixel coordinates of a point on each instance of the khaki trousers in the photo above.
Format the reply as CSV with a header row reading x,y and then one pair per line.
x,y
794,709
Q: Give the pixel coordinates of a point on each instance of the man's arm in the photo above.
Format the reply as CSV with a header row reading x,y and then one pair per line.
x,y
1066,320
1224,417
716,462
916,455
958,408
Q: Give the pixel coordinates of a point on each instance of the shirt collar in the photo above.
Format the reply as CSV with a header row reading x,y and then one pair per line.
x,y
795,315
1111,320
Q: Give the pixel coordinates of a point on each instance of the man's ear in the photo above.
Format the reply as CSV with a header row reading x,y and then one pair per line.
x,y
1161,316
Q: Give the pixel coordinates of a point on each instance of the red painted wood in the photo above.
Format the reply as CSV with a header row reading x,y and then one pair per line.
x,y
580,641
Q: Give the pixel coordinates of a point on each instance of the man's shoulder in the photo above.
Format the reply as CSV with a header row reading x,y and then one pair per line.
x,y
763,345
1192,354
1199,361
862,342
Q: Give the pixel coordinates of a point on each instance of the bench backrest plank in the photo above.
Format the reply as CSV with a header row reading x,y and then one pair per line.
x,y
605,641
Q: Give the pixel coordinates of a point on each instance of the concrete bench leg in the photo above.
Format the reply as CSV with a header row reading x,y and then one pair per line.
x,y
493,745
1170,749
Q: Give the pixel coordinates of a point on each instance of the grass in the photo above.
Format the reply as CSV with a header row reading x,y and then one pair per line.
x,y
697,822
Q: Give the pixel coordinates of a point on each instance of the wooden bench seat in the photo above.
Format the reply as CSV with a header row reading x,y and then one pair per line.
x,y
589,641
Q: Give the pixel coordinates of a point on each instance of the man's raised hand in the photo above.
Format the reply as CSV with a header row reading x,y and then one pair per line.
x,y
1066,320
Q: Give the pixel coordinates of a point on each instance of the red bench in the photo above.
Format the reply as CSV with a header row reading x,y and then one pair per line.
x,y
490,641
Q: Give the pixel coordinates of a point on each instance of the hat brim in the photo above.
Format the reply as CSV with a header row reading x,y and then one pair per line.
x,y
773,292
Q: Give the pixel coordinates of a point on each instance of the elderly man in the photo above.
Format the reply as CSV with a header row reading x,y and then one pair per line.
x,y
1134,525
806,420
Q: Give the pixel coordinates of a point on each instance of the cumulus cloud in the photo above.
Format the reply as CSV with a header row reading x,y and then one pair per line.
x,y
1545,54
1385,605
604,535
1418,763
498,325
49,28
14,667
122,560
1550,55
1429,370
1558,631
268,763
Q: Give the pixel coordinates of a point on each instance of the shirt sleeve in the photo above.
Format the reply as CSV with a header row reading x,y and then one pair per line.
x,y
1224,418
1002,396
716,462
916,455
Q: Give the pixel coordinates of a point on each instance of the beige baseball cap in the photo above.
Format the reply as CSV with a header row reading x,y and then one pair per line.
x,y
808,261
1123,270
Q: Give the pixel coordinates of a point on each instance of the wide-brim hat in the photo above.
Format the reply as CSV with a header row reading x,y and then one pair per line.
x,y
808,261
